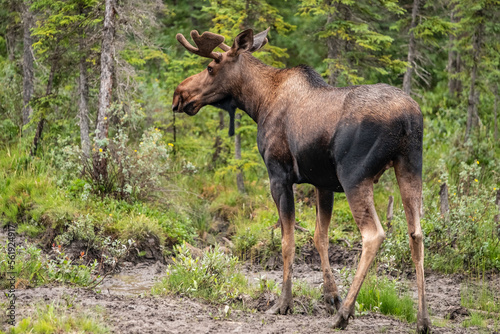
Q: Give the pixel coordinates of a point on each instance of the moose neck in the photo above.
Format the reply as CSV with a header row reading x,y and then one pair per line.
x,y
256,87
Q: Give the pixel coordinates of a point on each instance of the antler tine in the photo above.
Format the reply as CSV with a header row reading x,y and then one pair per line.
x,y
224,46
205,43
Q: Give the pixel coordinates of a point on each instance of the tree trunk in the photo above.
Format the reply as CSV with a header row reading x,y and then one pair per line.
x,y
411,48
100,162
497,202
495,112
28,77
472,113
453,67
237,154
41,122
218,141
390,210
445,206
83,113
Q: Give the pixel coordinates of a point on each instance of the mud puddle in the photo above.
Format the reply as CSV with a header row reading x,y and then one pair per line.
x,y
133,280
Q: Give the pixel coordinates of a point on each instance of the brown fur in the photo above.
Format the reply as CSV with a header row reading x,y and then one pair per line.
x,y
338,139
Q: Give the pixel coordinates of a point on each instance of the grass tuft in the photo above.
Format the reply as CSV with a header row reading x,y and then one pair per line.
x,y
55,318
386,296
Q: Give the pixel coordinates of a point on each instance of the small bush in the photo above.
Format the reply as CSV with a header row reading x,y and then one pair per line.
x,y
133,170
468,241
33,269
213,276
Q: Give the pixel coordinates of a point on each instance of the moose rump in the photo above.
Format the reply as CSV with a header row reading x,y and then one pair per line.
x,y
337,139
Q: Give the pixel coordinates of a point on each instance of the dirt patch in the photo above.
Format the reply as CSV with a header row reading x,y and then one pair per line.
x,y
183,315
129,307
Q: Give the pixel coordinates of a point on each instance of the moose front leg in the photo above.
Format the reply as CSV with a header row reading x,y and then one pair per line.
x,y
283,197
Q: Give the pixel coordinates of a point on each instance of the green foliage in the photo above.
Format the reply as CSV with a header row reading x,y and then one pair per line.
x,y
56,318
480,295
470,238
387,297
213,276
354,29
475,320
32,268
134,171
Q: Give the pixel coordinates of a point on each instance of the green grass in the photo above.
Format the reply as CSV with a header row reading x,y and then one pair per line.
x,y
54,318
387,297
214,276
481,296
475,320
32,268
482,300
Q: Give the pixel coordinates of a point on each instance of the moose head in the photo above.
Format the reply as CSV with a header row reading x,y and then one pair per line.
x,y
215,85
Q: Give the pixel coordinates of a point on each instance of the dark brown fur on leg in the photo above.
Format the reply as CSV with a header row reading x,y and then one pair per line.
x,y
323,216
283,197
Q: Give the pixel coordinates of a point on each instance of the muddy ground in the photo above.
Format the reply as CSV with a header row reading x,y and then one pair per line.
x,y
128,307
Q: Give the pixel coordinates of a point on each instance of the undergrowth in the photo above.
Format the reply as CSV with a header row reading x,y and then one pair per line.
x,y
56,318
390,297
214,276
32,268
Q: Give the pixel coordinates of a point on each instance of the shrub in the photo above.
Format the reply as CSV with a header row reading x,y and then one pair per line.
x,y
32,268
213,276
133,171
468,241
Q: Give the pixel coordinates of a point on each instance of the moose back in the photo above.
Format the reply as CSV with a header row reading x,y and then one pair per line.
x,y
337,139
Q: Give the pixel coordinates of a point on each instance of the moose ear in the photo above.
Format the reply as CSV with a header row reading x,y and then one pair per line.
x,y
243,42
259,40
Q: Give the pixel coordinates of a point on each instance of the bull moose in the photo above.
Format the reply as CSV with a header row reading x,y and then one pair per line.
x,y
337,139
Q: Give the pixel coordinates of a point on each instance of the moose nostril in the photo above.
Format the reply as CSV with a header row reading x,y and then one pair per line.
x,y
175,107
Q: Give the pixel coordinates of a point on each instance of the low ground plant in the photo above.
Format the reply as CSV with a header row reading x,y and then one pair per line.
x,y
387,296
33,268
56,318
467,239
214,276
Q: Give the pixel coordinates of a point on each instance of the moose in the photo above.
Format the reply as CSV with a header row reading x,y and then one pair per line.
x,y
337,139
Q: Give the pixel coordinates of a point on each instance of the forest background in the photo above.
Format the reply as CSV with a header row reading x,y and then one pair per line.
x,y
91,153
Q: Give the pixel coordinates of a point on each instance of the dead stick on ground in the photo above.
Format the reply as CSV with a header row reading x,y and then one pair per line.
x,y
97,283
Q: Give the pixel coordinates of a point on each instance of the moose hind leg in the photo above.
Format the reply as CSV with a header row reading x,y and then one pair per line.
x,y
410,186
324,208
360,200
283,197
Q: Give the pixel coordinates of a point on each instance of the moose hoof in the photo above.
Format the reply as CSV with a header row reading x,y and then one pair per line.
x,y
424,326
333,303
282,307
341,319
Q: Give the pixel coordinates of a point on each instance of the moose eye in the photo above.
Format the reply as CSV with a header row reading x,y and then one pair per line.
x,y
210,69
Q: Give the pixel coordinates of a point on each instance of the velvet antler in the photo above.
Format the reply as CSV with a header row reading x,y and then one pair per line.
x,y
205,43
